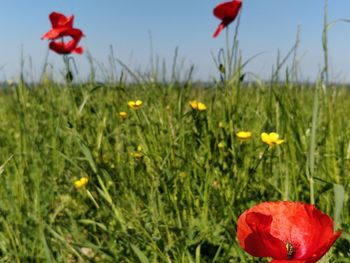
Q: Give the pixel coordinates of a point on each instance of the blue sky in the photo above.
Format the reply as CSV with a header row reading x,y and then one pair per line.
x,y
266,26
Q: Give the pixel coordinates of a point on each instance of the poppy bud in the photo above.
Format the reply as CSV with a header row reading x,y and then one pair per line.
x,y
69,76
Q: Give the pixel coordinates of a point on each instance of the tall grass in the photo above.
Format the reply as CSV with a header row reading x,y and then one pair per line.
x,y
179,201
168,183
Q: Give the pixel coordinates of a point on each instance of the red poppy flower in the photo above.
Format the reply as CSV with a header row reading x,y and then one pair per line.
x,y
286,231
62,27
59,24
226,12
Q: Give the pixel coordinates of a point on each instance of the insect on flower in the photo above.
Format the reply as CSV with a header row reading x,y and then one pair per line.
x,y
290,250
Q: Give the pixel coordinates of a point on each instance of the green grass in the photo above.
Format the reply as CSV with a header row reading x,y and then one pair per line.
x,y
180,201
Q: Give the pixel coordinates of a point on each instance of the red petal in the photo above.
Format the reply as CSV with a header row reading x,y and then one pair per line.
x,y
218,30
254,235
61,47
60,23
73,32
55,33
78,50
52,34
323,238
58,20
288,261
228,10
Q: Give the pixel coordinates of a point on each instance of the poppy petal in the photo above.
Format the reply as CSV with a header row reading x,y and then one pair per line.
x,y
288,261
58,19
78,50
64,48
61,47
55,33
73,32
58,47
323,235
260,243
60,23
218,30
52,34
227,9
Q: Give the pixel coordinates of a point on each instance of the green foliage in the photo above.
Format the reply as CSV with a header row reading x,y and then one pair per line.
x,y
168,183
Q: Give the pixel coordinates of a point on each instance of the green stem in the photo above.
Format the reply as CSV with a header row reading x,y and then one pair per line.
x,y
325,77
313,147
228,56
253,170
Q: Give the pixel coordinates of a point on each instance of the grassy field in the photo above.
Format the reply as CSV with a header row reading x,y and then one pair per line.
x,y
167,183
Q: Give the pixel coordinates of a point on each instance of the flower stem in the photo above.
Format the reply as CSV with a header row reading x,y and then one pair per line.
x,y
325,75
253,170
312,149
69,74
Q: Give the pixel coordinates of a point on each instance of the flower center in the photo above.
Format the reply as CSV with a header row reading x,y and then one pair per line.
x,y
290,250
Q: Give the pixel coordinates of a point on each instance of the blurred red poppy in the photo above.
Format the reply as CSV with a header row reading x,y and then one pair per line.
x,y
226,12
286,231
62,26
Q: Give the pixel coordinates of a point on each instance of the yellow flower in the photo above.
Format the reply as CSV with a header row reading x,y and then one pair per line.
x,y
243,136
81,182
221,125
122,115
183,175
197,105
221,145
138,154
271,139
201,106
135,104
215,184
